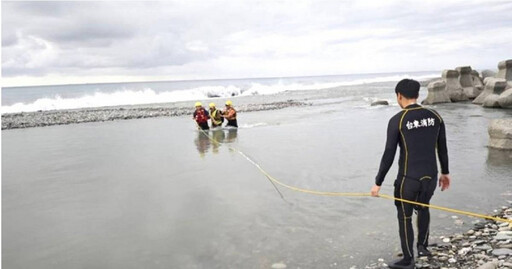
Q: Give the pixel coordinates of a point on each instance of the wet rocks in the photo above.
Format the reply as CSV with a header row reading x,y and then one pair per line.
x,y
379,264
470,251
501,251
380,103
489,265
483,247
503,235
453,86
59,117
437,93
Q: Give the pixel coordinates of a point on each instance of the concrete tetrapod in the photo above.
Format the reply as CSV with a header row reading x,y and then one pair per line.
x,y
500,134
466,81
490,84
505,99
437,93
505,70
492,99
477,81
453,87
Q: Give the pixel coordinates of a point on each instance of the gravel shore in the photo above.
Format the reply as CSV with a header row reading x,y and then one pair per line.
x,y
60,117
487,246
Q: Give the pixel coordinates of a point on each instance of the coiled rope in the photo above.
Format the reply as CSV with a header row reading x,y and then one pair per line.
x,y
352,194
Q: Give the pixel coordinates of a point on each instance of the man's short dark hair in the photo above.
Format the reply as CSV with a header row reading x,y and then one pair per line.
x,y
409,88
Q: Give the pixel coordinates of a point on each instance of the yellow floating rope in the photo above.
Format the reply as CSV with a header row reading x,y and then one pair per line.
x,y
356,194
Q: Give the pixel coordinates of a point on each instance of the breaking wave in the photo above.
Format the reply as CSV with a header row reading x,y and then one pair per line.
x,y
149,96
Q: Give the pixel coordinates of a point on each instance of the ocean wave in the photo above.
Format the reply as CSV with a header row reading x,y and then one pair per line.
x,y
149,96
119,98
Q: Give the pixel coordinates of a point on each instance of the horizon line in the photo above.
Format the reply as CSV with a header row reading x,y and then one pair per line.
x,y
217,79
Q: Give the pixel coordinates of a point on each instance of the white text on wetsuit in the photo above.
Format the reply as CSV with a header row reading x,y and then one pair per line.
x,y
420,123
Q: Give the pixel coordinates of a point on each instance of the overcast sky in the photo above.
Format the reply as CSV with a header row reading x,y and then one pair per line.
x,y
85,42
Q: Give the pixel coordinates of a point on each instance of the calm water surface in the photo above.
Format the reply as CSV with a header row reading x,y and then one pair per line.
x,y
155,193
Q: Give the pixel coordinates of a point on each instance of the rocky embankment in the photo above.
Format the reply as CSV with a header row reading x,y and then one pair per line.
x,y
487,246
60,117
491,89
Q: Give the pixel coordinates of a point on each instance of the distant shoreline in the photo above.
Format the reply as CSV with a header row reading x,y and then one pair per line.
x,y
44,118
75,116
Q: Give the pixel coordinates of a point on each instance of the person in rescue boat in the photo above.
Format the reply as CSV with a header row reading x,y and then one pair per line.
x,y
215,116
230,114
201,116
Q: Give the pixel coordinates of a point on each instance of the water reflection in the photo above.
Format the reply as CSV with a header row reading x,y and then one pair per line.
x,y
217,135
232,135
498,157
204,143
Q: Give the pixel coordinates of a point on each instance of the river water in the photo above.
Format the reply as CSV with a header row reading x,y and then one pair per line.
x,y
156,193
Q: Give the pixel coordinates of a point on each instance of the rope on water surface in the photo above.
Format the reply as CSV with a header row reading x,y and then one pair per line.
x,y
273,180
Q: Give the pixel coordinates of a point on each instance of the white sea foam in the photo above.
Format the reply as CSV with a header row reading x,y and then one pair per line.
x,y
252,125
149,96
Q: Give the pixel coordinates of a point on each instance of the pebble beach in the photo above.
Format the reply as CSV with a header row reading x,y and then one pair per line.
x,y
488,245
63,117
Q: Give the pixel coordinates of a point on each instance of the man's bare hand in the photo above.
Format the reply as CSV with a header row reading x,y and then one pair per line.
x,y
375,191
444,182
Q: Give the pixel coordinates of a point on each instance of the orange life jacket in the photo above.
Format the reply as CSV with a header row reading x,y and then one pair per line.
x,y
228,111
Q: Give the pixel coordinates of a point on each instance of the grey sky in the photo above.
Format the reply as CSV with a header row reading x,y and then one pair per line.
x,y
76,42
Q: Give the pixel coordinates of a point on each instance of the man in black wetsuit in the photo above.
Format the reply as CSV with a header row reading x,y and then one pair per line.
x,y
419,132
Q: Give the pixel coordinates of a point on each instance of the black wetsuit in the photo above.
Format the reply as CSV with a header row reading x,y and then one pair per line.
x,y
232,123
419,132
